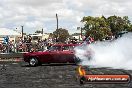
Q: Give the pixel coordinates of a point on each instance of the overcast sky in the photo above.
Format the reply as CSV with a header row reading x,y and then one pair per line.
x,y
37,14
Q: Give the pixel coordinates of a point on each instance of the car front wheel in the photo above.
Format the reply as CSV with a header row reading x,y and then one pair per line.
x,y
33,62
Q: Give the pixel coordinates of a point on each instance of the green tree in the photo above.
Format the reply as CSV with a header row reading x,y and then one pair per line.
x,y
101,27
50,35
118,24
96,27
38,31
61,34
127,24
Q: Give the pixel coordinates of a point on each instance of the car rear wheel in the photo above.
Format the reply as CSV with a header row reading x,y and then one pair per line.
x,y
77,60
33,61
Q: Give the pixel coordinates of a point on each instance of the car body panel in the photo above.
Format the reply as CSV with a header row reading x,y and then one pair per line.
x,y
59,53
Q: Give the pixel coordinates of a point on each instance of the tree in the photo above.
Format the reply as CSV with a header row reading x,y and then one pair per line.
x,y
50,35
61,34
101,27
38,31
118,24
96,27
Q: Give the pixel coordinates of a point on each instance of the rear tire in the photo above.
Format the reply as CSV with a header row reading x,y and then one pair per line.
x,y
33,61
77,60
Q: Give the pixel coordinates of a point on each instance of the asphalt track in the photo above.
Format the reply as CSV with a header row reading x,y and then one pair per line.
x,y
20,75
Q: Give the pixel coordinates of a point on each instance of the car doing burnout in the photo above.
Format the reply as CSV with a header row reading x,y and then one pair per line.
x,y
59,53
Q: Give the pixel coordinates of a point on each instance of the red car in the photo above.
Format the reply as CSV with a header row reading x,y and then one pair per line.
x,y
59,53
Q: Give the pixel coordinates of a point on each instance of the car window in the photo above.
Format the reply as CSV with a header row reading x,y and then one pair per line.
x,y
55,48
68,48
65,48
71,47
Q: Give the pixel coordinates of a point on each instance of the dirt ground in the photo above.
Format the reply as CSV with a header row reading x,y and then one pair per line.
x,y
20,75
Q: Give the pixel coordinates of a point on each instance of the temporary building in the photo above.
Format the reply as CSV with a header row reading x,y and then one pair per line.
x,y
8,32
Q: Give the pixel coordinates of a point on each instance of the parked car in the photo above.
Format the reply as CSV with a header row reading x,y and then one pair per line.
x,y
120,34
59,53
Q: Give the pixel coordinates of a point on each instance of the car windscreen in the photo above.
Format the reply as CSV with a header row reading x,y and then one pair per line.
x,y
68,48
55,48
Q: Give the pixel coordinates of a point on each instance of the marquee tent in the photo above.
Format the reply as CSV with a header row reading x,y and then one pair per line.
x,y
8,32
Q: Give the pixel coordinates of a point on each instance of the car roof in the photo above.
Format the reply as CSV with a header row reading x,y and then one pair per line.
x,y
65,44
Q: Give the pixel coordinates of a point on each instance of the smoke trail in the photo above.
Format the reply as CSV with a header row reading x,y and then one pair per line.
x,y
115,54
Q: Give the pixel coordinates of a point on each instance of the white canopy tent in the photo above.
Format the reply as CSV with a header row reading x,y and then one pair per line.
x,y
8,32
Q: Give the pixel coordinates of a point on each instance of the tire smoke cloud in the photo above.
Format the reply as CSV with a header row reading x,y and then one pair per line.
x,y
116,54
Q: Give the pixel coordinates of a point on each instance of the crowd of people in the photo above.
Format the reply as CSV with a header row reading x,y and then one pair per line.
x,y
26,44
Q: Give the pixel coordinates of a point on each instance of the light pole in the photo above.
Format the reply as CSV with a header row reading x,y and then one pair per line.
x,y
57,26
22,32
57,20
42,32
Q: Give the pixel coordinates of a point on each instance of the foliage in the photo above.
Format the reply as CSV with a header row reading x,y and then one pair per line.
x,y
50,35
101,27
61,34
38,31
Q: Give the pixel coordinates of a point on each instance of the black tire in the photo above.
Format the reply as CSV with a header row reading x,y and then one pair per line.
x,y
39,63
33,61
77,60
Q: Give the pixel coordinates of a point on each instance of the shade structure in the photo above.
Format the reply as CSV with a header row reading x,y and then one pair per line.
x,y
8,32
36,35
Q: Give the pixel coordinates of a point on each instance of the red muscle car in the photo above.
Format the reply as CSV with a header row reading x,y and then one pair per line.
x,y
59,53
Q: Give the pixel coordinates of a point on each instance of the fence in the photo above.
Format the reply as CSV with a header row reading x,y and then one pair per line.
x,y
22,47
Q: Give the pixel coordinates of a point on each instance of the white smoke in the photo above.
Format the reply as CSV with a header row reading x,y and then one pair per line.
x,y
115,54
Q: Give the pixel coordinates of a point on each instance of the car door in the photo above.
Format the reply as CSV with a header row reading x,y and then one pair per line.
x,y
67,54
46,57
55,54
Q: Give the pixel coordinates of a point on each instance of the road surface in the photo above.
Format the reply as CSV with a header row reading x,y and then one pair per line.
x,y
20,75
